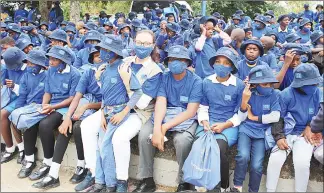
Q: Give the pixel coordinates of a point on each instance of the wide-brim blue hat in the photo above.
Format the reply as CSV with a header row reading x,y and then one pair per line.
x,y
185,24
236,17
304,22
108,23
8,20
102,30
22,43
255,42
91,54
173,27
90,26
60,53
58,34
13,58
122,26
262,19
270,12
293,15
136,23
43,23
239,12
70,28
229,54
262,74
93,35
14,27
36,57
316,35
178,51
292,37
112,43
306,74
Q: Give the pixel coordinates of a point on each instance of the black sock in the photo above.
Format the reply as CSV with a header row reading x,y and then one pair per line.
x,y
149,180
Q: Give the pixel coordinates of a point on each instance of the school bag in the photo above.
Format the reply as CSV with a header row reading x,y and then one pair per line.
x,y
202,167
5,96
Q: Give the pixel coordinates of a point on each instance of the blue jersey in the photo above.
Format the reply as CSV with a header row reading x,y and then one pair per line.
x,y
244,69
202,67
89,84
304,37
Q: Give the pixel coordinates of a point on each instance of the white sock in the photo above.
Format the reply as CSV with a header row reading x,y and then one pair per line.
x,y
9,150
21,148
47,161
81,163
29,158
54,171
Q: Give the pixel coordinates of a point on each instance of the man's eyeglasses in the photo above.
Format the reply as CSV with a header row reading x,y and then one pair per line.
x,y
145,44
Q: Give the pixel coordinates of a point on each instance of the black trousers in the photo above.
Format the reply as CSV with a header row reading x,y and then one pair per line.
x,y
224,150
62,143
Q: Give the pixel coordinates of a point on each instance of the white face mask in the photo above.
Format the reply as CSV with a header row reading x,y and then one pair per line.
x,y
145,8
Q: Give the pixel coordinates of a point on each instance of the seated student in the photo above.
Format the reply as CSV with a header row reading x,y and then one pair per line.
x,y
94,61
293,56
320,27
304,31
116,105
25,45
92,39
109,27
42,28
86,100
275,49
11,77
15,32
219,109
180,92
72,40
260,28
317,39
207,44
60,85
268,57
252,50
296,137
261,102
124,32
35,38
283,30
237,37
317,128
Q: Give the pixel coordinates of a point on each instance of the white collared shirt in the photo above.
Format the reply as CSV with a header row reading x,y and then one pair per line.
x,y
231,80
67,69
280,30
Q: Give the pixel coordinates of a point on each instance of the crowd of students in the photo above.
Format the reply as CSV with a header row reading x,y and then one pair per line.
x,y
169,75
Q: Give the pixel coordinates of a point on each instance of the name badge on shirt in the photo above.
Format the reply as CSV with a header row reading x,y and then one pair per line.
x,y
228,98
311,111
65,85
266,107
41,84
184,99
113,80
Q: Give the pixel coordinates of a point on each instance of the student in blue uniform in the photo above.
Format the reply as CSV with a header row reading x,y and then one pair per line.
x,y
116,105
318,13
37,39
320,27
131,16
308,13
109,27
297,136
20,12
94,60
275,49
25,45
283,30
268,57
245,20
177,101
304,31
293,38
3,28
60,84
261,102
14,31
72,40
237,36
102,18
219,108
260,27
11,78
42,28
252,50
124,32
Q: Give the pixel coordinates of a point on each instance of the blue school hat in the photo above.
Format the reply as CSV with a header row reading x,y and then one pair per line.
x,y
306,5
261,18
212,19
23,19
58,34
14,27
274,33
262,74
93,35
136,23
70,28
239,12
108,23
293,15
306,74
304,22
178,51
158,11
43,23
292,37
3,25
112,43
185,24
281,17
297,48
63,23
173,27
228,53
27,28
91,54
8,20
60,53
270,13
235,16
255,42
316,35
90,26
102,30
70,23
22,43
122,26
216,14
13,58
36,57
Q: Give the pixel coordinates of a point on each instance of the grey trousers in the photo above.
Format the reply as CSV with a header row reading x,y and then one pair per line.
x,y
182,142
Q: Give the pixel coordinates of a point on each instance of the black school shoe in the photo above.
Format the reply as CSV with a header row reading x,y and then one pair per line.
x,y
25,172
185,187
40,173
79,175
52,183
21,157
146,185
7,158
98,188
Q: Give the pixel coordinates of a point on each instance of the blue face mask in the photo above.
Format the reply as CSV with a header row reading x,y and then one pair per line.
x,y
3,34
106,55
252,62
58,68
303,59
87,45
126,34
16,36
259,26
71,36
265,91
309,89
221,70
81,35
34,69
177,67
143,52
305,29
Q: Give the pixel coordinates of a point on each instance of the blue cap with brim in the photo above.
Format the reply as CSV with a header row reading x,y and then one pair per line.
x,y
178,51
13,58
229,54
60,53
112,43
36,57
261,74
306,74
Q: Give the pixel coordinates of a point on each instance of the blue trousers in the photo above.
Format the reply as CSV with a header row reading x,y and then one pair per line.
x,y
253,150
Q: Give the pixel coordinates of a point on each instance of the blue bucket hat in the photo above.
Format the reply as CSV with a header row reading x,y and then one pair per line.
x,y
239,12
122,26
43,23
93,35
158,11
91,26
298,49
22,43
270,13
216,14
27,28
274,33
13,58
185,24
261,74
306,5
293,15
14,27
36,57
102,30
262,19
108,23
8,20
212,19
173,27
292,37
70,28
91,54
229,54
304,22
281,17
306,74
58,34
60,53
316,35
69,23
112,43
23,19
255,42
235,16
3,25
136,23
63,23
178,51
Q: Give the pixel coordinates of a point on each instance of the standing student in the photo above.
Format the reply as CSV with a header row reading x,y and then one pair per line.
x,y
60,85
11,77
180,91
298,138
262,106
219,110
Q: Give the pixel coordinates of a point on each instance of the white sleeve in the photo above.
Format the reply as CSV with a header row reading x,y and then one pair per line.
x,y
203,113
242,115
200,43
272,117
235,120
144,101
16,89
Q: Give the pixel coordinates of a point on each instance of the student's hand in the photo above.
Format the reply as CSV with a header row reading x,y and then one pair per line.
x,y
158,140
282,144
79,112
218,127
65,126
289,56
307,134
117,118
217,29
246,94
99,71
206,125
103,121
10,83
203,30
321,53
163,129
246,80
317,138
125,72
250,114
47,109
